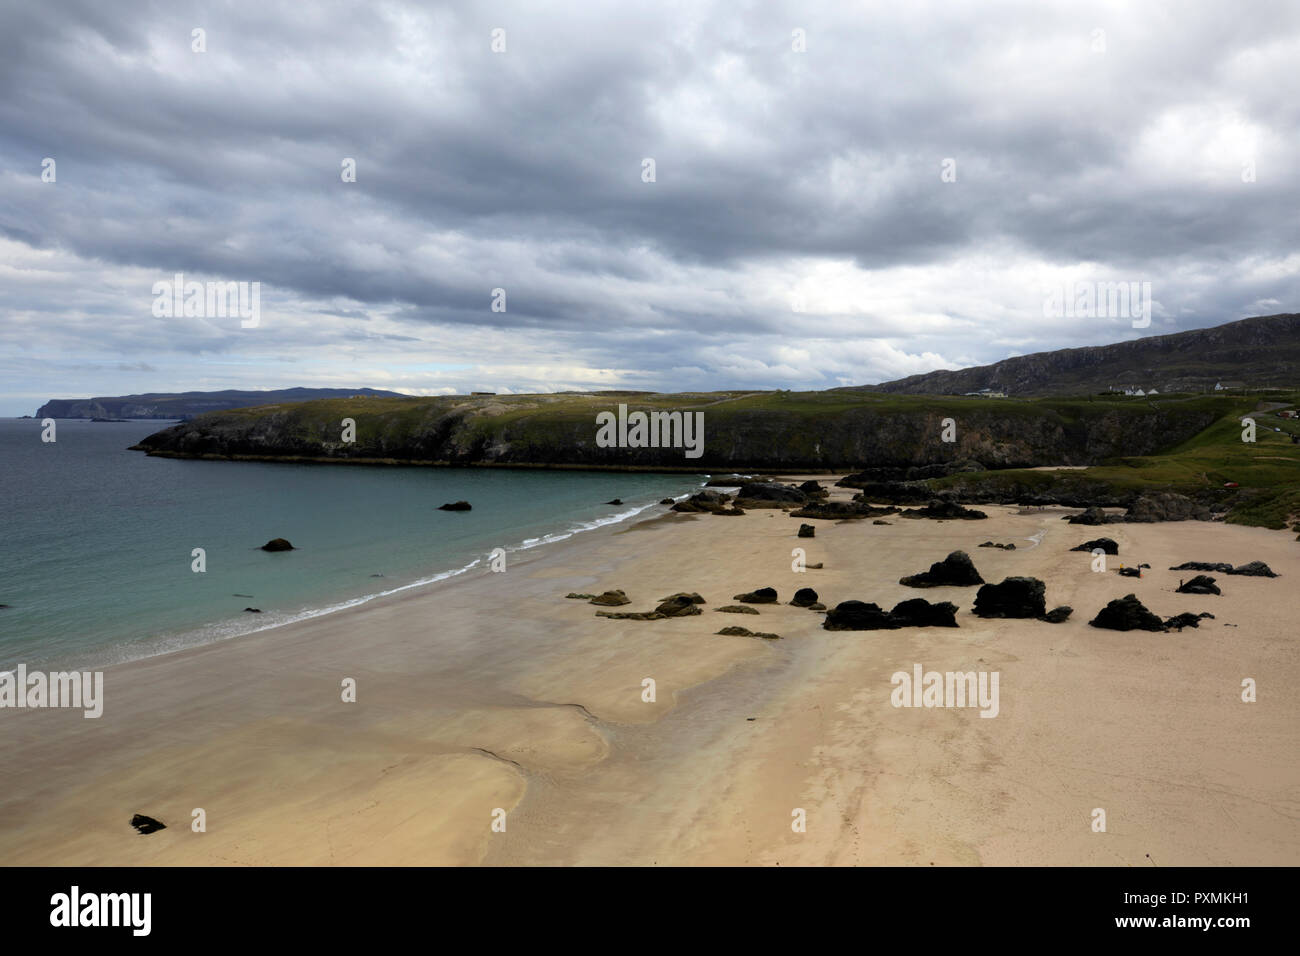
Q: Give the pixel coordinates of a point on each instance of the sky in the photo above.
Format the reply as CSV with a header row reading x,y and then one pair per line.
x,y
840,193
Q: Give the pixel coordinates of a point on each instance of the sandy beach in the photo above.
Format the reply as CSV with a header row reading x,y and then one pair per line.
x,y
492,696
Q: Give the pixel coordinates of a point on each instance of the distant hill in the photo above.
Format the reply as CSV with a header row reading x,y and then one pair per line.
x,y
184,405
1259,352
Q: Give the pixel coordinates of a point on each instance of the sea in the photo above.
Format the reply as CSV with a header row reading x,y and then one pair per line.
x,y
98,543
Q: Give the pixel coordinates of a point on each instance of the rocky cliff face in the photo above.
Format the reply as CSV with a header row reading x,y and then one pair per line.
x,y
777,431
1261,351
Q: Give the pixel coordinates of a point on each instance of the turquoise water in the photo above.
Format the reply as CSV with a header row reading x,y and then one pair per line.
x,y
96,541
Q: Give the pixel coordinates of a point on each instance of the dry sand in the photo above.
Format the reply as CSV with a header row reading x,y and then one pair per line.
x,y
492,692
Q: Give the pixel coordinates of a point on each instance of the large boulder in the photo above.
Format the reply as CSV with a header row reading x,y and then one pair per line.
x,y
918,612
956,570
1127,614
839,510
946,510
1104,544
914,612
1092,515
804,597
1166,506
756,494
858,616
1013,597
1256,569
1201,584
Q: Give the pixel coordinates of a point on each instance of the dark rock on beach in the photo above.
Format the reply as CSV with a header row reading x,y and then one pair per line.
x,y
687,595
1254,569
1127,614
1093,515
807,531
1014,597
761,596
1130,572
915,612
945,510
680,605
839,510
1105,544
813,489
1201,584
1058,614
918,612
1257,569
956,570
804,597
1186,619
1166,506
668,501
613,598
858,616
736,609
707,502
147,825
456,506
994,544
772,491
733,631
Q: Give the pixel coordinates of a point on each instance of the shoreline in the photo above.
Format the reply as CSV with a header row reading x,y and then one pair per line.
x,y
492,691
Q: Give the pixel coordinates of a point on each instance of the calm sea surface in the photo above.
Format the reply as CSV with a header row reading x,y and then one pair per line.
x,y
96,541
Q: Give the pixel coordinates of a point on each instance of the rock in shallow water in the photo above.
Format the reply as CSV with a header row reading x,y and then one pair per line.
x,y
277,544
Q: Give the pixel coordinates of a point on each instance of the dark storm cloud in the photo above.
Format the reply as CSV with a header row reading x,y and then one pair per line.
x,y
779,175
